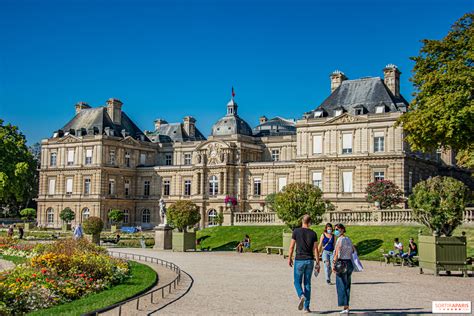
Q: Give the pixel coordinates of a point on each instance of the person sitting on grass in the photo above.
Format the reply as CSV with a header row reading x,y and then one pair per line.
x,y
243,244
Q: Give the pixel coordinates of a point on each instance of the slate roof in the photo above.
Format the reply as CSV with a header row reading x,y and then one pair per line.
x,y
231,124
365,93
97,121
276,126
173,132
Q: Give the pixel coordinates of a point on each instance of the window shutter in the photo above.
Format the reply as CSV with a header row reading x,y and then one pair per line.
x,y
317,144
379,134
52,186
317,176
346,140
347,181
69,185
70,156
88,153
281,183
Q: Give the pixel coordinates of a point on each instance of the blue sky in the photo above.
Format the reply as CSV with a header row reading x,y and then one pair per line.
x,y
168,59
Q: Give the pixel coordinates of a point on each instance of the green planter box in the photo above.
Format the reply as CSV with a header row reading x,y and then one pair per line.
x,y
66,227
113,228
28,226
443,254
184,241
286,243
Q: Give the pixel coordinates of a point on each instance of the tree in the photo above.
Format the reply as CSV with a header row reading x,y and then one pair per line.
x,y
28,214
17,169
439,203
296,200
270,200
93,225
442,112
116,215
183,214
384,192
67,215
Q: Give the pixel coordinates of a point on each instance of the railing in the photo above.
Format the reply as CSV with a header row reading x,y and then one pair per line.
x,y
257,218
151,294
468,216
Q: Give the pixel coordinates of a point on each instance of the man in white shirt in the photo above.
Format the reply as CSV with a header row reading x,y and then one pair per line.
x,y
398,246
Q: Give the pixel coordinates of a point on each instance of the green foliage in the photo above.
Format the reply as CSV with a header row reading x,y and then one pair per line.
x,y
28,214
385,192
183,214
298,199
17,169
220,218
93,225
116,215
67,215
270,201
442,112
438,203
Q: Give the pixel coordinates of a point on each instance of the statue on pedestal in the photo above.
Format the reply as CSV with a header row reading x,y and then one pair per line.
x,y
163,213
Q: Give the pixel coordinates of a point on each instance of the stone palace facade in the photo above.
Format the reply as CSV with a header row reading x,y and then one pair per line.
x,y
101,160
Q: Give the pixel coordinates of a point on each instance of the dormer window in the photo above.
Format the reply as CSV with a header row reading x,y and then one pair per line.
x,y
358,112
318,113
338,112
380,109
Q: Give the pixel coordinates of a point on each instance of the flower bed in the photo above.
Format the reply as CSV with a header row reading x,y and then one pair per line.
x,y
57,273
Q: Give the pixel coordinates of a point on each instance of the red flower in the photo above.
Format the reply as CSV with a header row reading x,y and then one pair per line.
x,y
44,271
34,275
18,279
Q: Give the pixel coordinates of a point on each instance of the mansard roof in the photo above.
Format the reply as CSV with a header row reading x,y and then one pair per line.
x,y
231,124
367,93
173,132
93,121
275,127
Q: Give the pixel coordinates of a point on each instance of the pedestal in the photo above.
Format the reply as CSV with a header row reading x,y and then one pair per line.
x,y
163,237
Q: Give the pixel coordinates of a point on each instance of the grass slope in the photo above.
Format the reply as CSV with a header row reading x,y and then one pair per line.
x,y
16,260
368,239
142,277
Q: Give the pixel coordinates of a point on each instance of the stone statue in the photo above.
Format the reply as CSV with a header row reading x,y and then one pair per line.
x,y
163,212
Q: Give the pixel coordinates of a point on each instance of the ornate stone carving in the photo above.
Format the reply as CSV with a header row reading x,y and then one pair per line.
x,y
213,153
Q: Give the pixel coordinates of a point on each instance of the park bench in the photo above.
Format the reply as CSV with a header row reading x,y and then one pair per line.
x,y
270,248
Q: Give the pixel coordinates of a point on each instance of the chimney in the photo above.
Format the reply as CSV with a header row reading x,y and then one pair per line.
x,y
337,77
81,105
114,109
262,119
391,77
158,123
189,126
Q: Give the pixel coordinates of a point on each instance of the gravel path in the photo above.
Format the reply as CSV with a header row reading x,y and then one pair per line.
x,y
5,265
257,284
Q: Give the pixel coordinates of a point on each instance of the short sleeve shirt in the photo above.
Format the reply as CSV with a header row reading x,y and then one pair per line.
x,y
305,239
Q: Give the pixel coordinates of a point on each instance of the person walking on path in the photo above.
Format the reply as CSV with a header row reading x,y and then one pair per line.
x,y
21,232
307,252
78,232
343,252
326,245
10,231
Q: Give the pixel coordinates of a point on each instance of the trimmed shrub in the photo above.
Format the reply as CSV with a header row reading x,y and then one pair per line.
x,y
93,225
67,215
116,216
384,192
183,214
28,214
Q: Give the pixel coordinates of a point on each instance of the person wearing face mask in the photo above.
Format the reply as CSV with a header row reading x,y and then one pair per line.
x,y
326,247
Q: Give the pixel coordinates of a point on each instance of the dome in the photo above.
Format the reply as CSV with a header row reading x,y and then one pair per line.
x,y
231,124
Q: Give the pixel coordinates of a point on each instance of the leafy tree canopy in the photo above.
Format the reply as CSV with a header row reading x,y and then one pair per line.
x,y
183,214
28,213
116,215
385,192
67,215
93,225
442,113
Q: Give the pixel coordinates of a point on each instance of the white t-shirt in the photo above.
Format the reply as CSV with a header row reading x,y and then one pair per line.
x,y
398,246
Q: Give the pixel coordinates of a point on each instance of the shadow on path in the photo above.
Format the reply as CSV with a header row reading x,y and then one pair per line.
x,y
376,282
381,311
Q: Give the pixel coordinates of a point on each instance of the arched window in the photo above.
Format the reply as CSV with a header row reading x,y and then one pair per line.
x,y
146,216
50,216
126,216
213,186
85,213
212,217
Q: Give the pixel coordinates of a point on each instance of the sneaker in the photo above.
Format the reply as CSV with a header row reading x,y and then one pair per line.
x,y
300,305
328,282
344,311
307,310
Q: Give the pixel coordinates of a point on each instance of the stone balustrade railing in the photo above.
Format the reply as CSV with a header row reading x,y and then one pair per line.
x,y
263,218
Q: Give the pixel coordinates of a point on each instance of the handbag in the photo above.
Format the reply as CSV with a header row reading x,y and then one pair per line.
x,y
316,273
356,263
340,267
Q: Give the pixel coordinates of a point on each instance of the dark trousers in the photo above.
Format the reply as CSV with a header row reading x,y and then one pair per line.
x,y
343,285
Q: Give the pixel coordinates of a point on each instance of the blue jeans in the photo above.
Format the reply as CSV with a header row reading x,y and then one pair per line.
x,y
328,257
343,285
303,269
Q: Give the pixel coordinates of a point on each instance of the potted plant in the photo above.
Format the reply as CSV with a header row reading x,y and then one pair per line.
x,y
93,227
296,200
28,214
439,203
384,194
67,215
230,201
182,215
116,216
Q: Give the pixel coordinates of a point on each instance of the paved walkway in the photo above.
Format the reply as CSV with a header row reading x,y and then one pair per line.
x,y
259,284
5,265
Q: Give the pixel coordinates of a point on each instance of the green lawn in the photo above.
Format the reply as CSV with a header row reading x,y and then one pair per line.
x,y
16,260
368,239
143,277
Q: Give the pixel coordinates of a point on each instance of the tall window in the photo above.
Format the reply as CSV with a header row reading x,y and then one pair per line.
x,y
318,179
257,186
410,181
347,181
87,186
213,186
70,157
212,217
317,144
127,187
146,188
52,186
187,187
50,216
127,159
281,183
275,155
379,142
53,159
168,159
146,216
126,216
111,186
88,156
166,187
142,158
346,143
187,159
112,157
85,214
379,175
69,186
